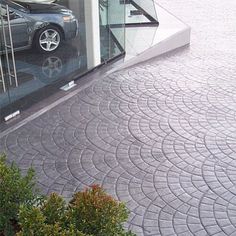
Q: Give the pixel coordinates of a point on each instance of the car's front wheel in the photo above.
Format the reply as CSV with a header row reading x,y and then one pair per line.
x,y
48,39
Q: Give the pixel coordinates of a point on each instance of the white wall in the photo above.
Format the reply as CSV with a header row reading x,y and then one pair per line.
x,y
92,27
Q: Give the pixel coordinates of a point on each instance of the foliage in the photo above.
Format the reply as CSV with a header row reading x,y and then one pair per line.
x,y
54,209
15,190
91,212
49,219
94,212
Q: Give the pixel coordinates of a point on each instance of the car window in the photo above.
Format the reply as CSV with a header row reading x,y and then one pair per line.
x,y
3,12
12,14
37,1
15,6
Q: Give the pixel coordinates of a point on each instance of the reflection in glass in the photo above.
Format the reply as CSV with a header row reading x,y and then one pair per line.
x,y
35,71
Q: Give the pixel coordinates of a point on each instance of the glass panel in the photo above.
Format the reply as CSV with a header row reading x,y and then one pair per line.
x,y
116,19
112,28
103,7
54,43
147,6
50,49
139,11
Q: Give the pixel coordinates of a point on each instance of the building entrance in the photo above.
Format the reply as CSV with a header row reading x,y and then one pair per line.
x,y
45,44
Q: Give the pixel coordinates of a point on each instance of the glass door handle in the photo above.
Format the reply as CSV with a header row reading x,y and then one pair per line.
x,y
9,47
2,79
2,75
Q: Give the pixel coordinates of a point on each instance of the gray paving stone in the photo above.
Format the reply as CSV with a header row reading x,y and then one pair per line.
x,y
160,136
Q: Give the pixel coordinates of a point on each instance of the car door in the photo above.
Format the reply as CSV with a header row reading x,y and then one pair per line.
x,y
18,27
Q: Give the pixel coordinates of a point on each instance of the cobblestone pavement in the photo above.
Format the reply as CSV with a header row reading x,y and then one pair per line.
x,y
160,136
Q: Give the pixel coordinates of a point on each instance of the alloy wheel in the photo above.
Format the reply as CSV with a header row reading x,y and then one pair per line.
x,y
49,40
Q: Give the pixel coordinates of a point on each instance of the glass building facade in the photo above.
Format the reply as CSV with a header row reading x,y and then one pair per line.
x,y
45,44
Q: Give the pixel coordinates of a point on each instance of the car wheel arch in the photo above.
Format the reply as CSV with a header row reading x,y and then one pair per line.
x,y
50,24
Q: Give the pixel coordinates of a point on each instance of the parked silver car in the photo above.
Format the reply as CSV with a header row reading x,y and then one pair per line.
x,y
37,24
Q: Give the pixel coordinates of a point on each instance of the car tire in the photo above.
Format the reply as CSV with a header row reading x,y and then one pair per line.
x,y
48,39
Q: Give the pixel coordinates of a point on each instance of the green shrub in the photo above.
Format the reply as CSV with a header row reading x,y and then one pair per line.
x,y
47,219
15,190
54,209
94,212
91,212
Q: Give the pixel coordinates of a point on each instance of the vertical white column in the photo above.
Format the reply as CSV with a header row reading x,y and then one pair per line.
x,y
92,27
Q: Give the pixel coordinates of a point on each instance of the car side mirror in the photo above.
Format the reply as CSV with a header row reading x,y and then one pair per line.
x,y
12,15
